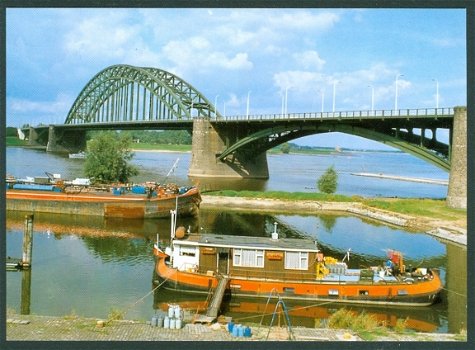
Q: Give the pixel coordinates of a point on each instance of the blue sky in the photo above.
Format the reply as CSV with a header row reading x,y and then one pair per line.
x,y
228,54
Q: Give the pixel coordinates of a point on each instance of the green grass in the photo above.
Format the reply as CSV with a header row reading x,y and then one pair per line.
x,y
161,147
283,195
431,208
15,141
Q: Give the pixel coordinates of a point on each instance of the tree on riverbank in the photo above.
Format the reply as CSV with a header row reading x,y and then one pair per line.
x,y
107,158
327,183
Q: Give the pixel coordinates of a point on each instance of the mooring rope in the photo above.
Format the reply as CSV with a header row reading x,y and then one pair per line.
x,y
146,295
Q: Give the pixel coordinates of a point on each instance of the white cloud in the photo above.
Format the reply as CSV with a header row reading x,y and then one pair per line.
x,y
309,60
233,101
305,20
28,111
298,80
62,103
196,53
101,37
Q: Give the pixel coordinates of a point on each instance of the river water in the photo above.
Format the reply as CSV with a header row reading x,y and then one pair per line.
x,y
91,266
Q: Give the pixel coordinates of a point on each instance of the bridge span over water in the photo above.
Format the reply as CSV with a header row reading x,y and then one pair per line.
x,y
124,97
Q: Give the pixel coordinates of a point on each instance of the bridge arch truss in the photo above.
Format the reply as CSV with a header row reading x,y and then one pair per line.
x,y
124,93
264,139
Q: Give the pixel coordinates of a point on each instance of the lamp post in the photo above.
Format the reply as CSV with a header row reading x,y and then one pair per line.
x,y
334,93
436,93
395,99
286,91
323,99
372,98
247,105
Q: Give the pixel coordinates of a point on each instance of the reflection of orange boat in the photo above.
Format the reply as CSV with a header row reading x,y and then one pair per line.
x,y
294,268
139,201
305,315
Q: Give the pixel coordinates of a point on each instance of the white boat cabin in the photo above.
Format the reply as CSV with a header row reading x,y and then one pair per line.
x,y
242,255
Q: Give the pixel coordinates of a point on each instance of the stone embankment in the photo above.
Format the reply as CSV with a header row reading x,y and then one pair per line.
x,y
442,229
48,328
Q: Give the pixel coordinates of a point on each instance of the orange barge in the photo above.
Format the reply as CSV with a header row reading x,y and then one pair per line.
x,y
294,268
134,202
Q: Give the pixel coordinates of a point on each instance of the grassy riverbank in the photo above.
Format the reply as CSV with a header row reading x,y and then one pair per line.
x,y
430,208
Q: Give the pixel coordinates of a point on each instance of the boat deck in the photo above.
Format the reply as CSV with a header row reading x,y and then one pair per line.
x,y
353,276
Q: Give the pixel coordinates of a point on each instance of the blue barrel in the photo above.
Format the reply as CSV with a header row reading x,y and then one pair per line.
x,y
166,322
236,330
241,331
230,326
247,332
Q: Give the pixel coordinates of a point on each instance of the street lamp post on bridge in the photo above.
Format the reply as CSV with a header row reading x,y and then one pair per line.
x,y
395,99
436,93
215,103
372,98
334,93
247,104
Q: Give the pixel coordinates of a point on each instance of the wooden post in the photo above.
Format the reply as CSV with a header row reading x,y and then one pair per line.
x,y
27,241
25,292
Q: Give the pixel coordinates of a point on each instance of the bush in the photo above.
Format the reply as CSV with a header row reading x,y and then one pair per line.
x,y
107,158
327,183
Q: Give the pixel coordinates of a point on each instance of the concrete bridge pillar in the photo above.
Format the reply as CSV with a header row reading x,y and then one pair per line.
x,y
208,141
457,192
37,137
62,141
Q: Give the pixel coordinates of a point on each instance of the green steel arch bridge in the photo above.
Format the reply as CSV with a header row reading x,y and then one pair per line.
x,y
128,97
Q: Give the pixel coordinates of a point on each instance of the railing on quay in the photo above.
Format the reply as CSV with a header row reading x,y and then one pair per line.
x,y
367,114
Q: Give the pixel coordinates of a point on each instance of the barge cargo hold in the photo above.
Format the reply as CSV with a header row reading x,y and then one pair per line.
x,y
134,202
294,268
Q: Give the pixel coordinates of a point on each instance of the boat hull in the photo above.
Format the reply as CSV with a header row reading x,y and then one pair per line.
x,y
106,205
384,294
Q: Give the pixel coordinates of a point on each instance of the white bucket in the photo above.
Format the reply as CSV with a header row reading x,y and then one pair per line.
x,y
171,311
178,323
177,312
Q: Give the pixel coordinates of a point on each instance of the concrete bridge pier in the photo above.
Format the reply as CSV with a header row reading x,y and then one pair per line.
x,y
65,141
37,137
457,192
209,140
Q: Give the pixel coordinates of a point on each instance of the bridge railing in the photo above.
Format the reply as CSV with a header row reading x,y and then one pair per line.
x,y
376,114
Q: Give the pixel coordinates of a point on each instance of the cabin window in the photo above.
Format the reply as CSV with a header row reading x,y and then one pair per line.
x,y
248,257
186,251
296,260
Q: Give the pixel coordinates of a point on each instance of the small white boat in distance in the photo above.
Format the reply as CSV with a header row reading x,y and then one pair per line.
x,y
79,155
